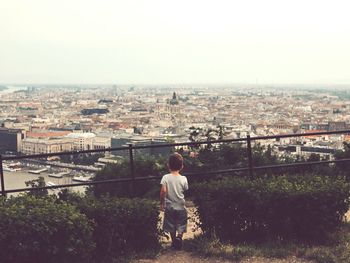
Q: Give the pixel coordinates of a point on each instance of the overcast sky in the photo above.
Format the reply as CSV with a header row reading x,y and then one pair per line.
x,y
174,41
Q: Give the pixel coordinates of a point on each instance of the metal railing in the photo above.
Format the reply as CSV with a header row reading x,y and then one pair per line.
x,y
250,168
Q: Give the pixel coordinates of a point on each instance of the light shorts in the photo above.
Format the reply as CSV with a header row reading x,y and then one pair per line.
x,y
175,220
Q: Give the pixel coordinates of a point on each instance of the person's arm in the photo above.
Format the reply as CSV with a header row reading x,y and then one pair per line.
x,y
185,184
163,192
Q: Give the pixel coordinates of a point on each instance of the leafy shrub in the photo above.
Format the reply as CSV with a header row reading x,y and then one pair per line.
x,y
206,159
37,183
123,226
345,154
298,207
39,230
145,166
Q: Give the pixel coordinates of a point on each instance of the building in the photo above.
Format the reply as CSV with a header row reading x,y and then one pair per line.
x,y
94,111
141,141
306,151
29,108
11,140
174,100
101,143
82,140
337,126
46,145
47,134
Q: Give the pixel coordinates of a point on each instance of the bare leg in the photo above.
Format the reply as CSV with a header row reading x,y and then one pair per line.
x,y
173,236
177,243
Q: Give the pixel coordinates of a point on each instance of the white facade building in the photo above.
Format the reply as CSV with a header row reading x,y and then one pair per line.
x,y
82,141
47,145
101,142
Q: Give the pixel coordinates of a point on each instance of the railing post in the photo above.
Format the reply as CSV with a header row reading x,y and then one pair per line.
x,y
250,157
3,193
132,172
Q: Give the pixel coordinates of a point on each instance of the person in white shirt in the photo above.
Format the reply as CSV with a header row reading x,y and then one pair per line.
x,y
172,200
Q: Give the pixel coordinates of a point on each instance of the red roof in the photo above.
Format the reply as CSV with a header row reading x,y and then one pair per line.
x,y
47,134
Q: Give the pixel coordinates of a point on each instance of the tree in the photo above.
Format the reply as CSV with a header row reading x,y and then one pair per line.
x,y
143,167
37,183
263,155
343,167
195,136
83,158
221,130
314,157
211,134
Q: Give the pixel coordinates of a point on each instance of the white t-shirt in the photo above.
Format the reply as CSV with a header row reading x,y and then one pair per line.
x,y
176,186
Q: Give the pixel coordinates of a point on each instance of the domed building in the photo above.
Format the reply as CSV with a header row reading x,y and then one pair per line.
x,y
174,100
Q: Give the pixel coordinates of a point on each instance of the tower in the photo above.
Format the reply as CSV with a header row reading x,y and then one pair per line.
x,y
174,100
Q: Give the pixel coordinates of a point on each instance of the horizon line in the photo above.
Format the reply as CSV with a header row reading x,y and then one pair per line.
x,y
173,84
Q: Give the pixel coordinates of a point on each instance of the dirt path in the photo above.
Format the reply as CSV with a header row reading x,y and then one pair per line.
x,y
192,231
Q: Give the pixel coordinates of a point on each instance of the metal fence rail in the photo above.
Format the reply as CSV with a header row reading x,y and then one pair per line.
x,y
250,168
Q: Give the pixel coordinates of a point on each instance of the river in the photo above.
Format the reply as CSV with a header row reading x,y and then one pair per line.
x,y
11,89
17,179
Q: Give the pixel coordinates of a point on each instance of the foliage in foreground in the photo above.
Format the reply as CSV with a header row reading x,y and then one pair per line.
x,y
282,208
338,251
75,228
40,230
122,226
213,157
144,167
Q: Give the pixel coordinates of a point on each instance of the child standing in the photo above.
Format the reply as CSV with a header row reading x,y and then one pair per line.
x,y
172,200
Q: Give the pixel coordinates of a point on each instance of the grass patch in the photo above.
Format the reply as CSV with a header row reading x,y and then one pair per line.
x,y
337,249
337,252
212,247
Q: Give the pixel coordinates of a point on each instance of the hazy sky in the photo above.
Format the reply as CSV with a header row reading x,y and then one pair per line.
x,y
178,41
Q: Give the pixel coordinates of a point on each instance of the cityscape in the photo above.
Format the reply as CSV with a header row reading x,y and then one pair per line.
x,y
53,119
174,131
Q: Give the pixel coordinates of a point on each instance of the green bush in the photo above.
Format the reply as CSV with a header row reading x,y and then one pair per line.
x,y
298,207
144,166
39,230
344,154
123,226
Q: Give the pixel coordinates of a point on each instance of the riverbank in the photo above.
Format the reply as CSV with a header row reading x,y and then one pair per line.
x,y
10,89
2,88
17,179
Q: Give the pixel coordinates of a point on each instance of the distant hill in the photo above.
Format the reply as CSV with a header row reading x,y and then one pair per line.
x,y
2,88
